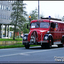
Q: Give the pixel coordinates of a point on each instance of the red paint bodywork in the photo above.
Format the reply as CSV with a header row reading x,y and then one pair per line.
x,y
57,33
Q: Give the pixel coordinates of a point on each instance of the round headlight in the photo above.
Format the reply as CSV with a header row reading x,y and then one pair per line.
x,y
24,38
46,37
48,31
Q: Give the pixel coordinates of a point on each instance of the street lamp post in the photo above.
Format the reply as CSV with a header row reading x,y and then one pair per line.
x,y
38,9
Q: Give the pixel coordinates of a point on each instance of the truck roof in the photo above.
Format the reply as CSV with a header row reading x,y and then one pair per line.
x,y
47,20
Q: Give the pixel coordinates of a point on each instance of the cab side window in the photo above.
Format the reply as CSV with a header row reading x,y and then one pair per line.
x,y
56,25
53,25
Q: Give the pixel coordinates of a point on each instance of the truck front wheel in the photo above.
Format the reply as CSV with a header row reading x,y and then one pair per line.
x,y
60,45
49,45
27,46
62,41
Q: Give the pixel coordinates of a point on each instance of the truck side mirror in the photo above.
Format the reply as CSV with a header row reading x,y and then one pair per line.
x,y
27,26
54,26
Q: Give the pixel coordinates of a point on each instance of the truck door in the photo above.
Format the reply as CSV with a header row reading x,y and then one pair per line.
x,y
54,31
57,32
60,31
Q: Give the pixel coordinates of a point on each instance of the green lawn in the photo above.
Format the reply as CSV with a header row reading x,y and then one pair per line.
x,y
17,39
13,46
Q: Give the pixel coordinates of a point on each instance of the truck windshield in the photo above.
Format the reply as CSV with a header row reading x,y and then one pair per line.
x,y
41,25
35,25
44,25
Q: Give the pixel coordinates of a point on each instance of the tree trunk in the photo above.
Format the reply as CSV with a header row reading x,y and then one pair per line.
x,y
14,32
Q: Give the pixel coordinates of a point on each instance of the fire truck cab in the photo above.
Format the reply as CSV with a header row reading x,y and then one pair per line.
x,y
45,32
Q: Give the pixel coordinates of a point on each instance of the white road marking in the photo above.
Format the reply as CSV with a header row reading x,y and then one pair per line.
x,y
23,47
25,53
8,55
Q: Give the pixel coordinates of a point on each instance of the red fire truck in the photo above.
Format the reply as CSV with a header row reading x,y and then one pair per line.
x,y
45,32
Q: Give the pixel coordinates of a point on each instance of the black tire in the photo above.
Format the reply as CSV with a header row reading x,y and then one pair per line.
x,y
46,46
60,45
42,46
62,41
49,45
27,46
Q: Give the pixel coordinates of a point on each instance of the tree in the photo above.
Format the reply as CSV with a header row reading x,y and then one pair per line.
x,y
34,14
11,29
25,30
18,16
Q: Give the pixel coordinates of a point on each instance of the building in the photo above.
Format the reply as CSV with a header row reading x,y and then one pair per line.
x,y
5,19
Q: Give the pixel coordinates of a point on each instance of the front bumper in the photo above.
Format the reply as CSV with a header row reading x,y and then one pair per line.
x,y
41,42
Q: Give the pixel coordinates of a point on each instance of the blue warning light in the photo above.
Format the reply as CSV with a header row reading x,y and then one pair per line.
x,y
49,16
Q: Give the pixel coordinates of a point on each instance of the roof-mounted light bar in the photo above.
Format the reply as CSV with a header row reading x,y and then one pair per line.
x,y
51,18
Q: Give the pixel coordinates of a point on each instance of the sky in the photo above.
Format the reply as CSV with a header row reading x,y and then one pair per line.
x,y
47,8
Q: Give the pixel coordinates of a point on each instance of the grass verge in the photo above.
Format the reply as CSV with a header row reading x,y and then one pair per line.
x,y
17,39
14,46
11,46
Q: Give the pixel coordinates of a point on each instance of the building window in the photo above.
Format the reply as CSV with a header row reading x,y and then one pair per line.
x,y
13,1
0,6
9,8
0,16
9,1
7,17
4,16
4,7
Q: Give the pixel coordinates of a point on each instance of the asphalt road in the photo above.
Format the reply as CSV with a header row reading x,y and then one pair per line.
x,y
32,54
